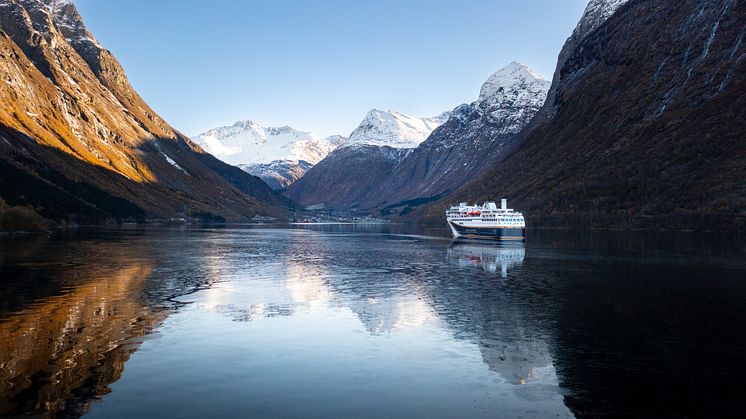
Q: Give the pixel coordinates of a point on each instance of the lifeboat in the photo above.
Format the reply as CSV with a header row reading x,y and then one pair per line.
x,y
474,213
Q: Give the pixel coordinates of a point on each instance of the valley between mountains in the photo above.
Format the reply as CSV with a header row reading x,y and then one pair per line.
x,y
642,125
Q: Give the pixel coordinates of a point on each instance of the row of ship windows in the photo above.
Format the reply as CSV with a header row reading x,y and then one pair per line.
x,y
516,220
493,218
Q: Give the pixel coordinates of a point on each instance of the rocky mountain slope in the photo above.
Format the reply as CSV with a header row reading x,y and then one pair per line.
x,y
78,143
280,174
349,176
644,126
277,155
472,137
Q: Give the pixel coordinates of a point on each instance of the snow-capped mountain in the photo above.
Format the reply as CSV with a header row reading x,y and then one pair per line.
x,y
278,155
462,144
476,136
512,96
647,125
282,155
247,142
394,129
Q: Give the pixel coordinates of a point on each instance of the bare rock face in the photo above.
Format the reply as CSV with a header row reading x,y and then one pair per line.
x,y
77,141
646,129
595,14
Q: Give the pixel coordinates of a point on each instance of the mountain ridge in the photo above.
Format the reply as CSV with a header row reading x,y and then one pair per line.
x,y
394,129
643,131
277,155
438,165
70,120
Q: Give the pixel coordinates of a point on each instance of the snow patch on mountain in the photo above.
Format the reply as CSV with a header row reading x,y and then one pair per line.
x,y
394,129
511,97
58,4
596,13
277,155
247,142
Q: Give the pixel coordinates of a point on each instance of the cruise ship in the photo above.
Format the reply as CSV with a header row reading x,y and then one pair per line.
x,y
486,221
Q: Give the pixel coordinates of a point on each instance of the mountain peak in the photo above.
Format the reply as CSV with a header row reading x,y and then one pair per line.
x,y
278,155
247,142
507,78
394,129
515,86
244,124
595,14
58,4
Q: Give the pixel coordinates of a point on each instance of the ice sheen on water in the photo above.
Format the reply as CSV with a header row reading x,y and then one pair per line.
x,y
368,321
304,324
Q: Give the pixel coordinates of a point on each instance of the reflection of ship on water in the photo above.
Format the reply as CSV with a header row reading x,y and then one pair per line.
x,y
488,257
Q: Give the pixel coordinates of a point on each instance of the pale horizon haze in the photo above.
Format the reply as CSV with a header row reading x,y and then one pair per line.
x,y
321,65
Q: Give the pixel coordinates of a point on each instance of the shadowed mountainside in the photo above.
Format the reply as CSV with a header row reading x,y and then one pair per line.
x,y
644,126
70,124
473,136
347,176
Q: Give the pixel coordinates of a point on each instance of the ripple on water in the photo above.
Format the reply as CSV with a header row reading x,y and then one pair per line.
x,y
282,322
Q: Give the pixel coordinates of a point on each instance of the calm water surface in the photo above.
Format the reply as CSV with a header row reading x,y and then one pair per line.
x,y
371,321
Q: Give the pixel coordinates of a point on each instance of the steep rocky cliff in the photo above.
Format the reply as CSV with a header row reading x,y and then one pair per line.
x,y
645,125
77,142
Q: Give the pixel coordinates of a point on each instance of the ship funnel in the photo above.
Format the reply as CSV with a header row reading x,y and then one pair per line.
x,y
503,204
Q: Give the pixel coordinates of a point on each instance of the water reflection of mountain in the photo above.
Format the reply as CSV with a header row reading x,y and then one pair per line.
x,y
250,291
498,316
75,310
511,343
405,286
487,256
64,349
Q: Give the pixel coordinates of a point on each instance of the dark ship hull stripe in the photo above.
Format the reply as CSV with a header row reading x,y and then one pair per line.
x,y
494,233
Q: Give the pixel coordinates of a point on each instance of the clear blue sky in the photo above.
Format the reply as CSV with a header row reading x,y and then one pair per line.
x,y
319,65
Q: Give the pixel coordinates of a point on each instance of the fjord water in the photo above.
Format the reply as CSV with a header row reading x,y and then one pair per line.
x,y
370,321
